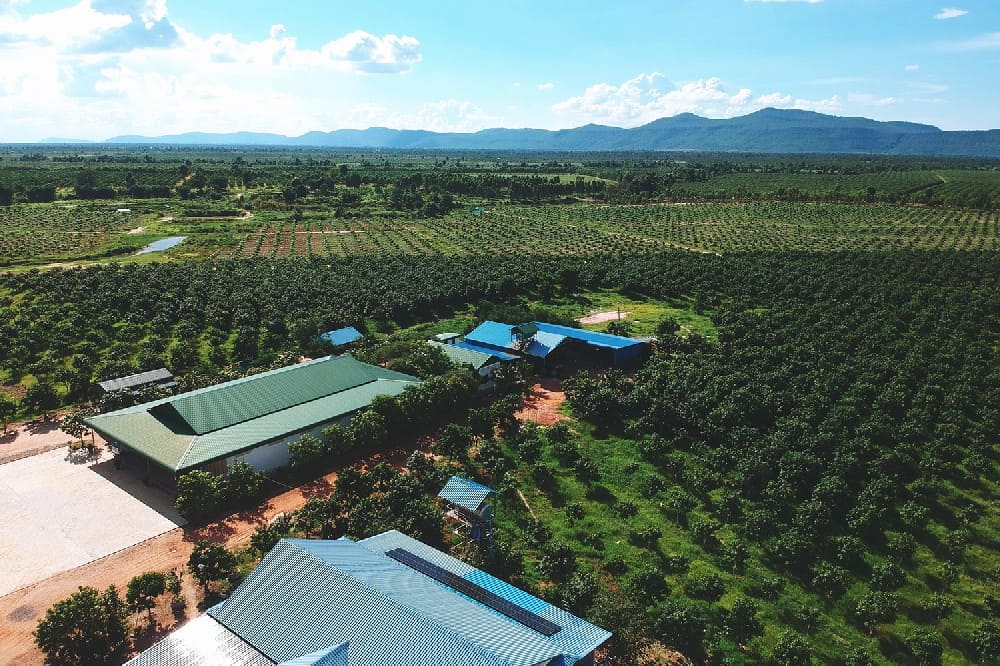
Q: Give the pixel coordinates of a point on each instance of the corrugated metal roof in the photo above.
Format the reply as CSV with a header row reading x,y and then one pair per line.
x,y
251,397
319,602
503,356
497,334
590,337
464,356
201,642
577,637
305,595
333,656
342,336
249,434
158,376
465,493
303,395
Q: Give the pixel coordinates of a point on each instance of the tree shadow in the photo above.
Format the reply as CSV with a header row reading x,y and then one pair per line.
x,y
320,487
217,532
41,426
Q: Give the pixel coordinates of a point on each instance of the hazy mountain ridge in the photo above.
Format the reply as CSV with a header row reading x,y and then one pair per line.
x,y
764,131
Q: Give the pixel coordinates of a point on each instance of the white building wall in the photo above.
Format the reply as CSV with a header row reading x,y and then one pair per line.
x,y
270,456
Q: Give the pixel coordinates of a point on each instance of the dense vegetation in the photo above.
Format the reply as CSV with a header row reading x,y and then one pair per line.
x,y
814,478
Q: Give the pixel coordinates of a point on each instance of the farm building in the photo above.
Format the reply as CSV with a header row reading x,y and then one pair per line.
x,y
251,419
342,336
159,377
388,599
550,344
466,497
483,361
448,338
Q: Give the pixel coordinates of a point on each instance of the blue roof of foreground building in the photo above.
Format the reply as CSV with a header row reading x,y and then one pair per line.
x,y
465,493
392,600
342,336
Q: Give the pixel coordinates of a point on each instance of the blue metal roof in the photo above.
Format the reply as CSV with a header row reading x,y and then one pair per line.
x,y
498,335
201,642
342,336
590,337
576,639
307,595
332,656
465,493
471,346
327,602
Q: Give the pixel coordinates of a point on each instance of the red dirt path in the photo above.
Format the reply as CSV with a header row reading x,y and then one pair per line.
x,y
543,403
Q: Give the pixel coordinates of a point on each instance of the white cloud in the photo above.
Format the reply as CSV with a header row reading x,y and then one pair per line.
x,y
988,42
928,88
449,115
912,68
868,99
640,100
104,67
950,13
364,52
546,86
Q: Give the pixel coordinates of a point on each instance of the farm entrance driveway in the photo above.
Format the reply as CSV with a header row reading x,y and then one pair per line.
x,y
56,514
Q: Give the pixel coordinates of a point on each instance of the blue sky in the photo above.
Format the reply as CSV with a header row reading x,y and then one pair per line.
x,y
97,68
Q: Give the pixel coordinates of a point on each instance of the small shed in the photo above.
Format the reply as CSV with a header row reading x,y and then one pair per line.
x,y
467,497
483,360
448,338
342,336
159,377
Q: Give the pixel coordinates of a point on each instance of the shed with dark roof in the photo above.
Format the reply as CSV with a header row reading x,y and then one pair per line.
x,y
158,377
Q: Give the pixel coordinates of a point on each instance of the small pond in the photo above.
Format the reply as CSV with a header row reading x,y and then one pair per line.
x,y
162,244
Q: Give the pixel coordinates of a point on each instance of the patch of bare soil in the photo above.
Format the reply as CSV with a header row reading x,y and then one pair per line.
x,y
139,230
34,437
543,403
601,317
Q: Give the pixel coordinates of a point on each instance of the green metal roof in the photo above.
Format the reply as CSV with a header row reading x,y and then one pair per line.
x,y
188,430
463,356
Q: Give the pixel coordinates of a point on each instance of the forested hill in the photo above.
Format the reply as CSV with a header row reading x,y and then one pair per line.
x,y
765,131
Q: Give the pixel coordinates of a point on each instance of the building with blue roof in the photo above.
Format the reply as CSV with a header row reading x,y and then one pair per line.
x,y
465,494
382,601
342,336
550,344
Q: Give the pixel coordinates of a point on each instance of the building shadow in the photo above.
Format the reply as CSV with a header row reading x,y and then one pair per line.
x,y
133,481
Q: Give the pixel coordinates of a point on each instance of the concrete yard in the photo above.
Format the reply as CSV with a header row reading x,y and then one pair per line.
x,y
56,514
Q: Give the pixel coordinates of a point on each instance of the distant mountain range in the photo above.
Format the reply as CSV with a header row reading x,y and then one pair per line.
x,y
764,131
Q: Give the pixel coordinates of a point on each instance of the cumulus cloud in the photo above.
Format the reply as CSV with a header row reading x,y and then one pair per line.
x,y
546,86
104,67
364,52
641,100
950,13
